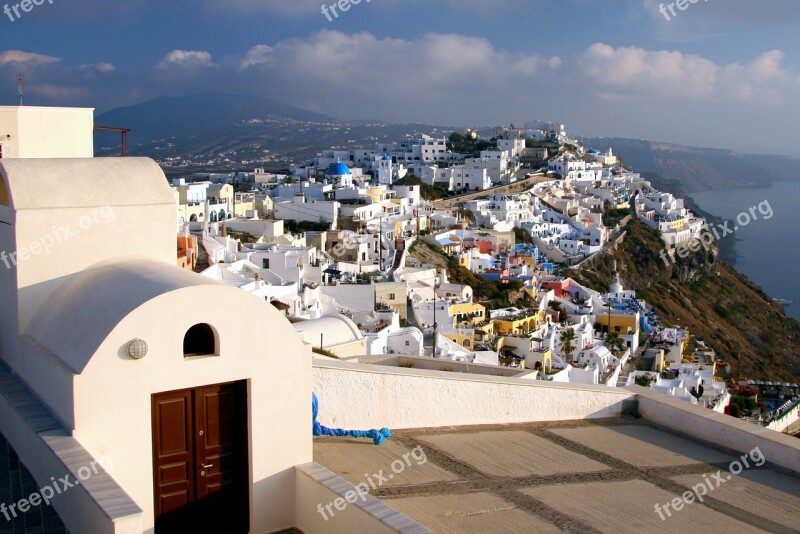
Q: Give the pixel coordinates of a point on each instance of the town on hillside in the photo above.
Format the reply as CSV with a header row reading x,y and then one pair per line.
x,y
449,254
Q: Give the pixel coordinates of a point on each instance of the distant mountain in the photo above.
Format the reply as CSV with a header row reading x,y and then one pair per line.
x,y
199,115
227,132
699,169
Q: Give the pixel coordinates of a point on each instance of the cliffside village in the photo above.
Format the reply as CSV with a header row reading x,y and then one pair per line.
x,y
345,243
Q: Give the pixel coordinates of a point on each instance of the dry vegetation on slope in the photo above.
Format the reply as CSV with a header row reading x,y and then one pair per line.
x,y
719,305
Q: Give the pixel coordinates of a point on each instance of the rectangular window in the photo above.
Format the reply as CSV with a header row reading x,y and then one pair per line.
x,y
265,263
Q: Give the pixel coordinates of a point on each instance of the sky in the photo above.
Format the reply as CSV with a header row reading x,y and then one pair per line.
x,y
720,73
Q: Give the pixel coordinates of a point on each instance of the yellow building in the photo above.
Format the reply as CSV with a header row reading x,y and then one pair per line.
x,y
518,324
467,312
623,324
465,338
394,295
534,352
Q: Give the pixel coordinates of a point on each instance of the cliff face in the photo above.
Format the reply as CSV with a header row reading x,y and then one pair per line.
x,y
699,169
719,305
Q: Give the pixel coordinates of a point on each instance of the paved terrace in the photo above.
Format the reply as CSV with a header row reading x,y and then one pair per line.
x,y
602,475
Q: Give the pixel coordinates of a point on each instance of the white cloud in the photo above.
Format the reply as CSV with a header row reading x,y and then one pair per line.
x,y
635,72
28,58
259,55
363,63
186,59
58,92
102,68
763,78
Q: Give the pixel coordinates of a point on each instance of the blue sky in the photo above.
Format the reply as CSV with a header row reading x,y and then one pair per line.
x,y
720,73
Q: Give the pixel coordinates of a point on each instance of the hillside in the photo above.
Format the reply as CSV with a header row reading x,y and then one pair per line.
x,y
719,305
227,132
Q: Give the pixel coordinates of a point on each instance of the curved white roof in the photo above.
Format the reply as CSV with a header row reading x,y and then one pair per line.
x,y
87,308
335,329
84,182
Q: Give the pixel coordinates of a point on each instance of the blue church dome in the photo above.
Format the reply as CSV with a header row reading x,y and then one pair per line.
x,y
386,158
339,169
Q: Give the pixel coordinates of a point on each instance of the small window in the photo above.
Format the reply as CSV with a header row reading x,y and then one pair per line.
x,y
265,263
408,343
392,296
200,340
3,193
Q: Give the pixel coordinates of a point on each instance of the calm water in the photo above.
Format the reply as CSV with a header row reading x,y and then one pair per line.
x,y
768,251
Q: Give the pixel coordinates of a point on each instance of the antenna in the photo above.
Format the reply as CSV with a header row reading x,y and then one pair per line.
x,y
20,82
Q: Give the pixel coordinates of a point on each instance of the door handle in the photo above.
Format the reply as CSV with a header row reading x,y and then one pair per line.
x,y
206,466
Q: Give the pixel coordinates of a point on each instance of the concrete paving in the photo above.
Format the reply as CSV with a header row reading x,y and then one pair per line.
x,y
644,446
469,512
629,506
572,476
767,493
517,454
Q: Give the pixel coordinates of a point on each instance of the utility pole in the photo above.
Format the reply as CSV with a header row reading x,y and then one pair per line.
x,y
20,82
435,324
380,241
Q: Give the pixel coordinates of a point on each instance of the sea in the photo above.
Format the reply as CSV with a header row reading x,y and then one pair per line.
x,y
767,249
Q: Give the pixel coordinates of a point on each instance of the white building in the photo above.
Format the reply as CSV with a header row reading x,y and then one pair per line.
x,y
106,318
42,132
301,209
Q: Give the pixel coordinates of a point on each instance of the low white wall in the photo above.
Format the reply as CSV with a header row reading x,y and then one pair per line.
x,y
713,427
437,364
318,488
369,396
78,509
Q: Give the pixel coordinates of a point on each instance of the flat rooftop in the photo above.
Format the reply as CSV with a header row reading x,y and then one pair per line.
x,y
602,475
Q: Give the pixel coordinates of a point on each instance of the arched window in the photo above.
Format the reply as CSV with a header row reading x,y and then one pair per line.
x,y
200,340
193,218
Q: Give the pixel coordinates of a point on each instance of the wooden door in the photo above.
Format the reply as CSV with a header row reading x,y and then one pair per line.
x,y
200,463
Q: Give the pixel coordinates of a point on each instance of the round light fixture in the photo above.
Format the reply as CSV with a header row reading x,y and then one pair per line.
x,y
137,349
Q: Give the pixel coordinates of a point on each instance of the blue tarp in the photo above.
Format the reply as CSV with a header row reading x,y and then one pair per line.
x,y
377,436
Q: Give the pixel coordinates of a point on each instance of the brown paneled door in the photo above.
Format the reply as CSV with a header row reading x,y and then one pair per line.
x,y
200,465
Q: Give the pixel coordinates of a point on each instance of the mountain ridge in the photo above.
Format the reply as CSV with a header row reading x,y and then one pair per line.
x,y
202,113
